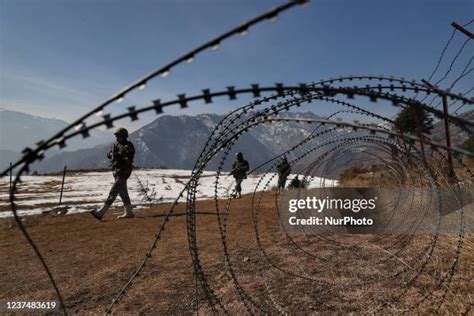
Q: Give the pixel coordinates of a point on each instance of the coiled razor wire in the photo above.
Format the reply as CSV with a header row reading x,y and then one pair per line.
x,y
232,127
248,300
60,139
324,146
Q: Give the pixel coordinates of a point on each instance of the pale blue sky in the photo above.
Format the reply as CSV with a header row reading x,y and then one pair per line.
x,y
58,58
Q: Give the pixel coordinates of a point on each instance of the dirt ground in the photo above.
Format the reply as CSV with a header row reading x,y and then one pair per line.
x,y
91,260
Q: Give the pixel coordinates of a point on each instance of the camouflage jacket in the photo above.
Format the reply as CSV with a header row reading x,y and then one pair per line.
x,y
240,168
284,169
121,158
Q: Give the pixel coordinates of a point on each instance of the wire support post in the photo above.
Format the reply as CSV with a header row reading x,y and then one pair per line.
x,y
451,173
62,185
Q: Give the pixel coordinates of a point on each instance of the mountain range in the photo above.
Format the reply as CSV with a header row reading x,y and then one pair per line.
x,y
458,135
176,142
167,142
19,130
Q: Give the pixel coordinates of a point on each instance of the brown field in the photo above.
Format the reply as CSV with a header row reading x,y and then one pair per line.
x,y
91,260
378,176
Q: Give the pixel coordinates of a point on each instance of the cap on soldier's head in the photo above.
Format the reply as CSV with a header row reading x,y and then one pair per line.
x,y
121,132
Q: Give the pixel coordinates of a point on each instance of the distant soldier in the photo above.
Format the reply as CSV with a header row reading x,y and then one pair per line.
x,y
295,183
284,170
121,157
239,171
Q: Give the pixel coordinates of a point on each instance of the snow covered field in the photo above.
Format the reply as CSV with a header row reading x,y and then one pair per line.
x,y
84,191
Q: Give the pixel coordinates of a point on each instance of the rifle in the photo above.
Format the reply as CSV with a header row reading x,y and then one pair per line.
x,y
114,156
232,172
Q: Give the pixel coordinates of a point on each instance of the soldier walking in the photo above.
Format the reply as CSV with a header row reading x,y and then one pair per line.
x,y
121,157
295,183
284,170
239,171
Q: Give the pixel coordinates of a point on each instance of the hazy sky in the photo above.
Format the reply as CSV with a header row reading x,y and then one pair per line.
x,y
58,58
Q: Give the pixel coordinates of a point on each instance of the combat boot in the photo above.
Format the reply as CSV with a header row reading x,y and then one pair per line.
x,y
127,213
98,214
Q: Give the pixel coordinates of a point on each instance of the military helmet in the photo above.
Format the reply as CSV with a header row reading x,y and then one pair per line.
x,y
239,155
121,132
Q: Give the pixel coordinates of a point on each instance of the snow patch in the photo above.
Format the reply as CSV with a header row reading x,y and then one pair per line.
x,y
85,191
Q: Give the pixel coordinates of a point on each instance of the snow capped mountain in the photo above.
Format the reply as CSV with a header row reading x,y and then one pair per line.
x,y
20,130
458,136
278,136
176,142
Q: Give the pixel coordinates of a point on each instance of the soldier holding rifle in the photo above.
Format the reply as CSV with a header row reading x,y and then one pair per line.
x,y
121,157
239,171
284,170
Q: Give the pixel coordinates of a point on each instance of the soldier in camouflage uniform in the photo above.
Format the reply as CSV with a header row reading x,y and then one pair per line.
x,y
284,171
295,183
239,171
121,156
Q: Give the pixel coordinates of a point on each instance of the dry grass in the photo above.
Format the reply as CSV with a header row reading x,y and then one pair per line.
x,y
380,176
92,259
